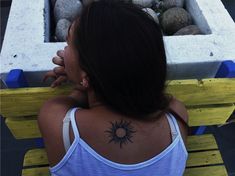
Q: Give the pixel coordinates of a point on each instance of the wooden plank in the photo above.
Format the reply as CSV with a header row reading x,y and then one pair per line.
x,y
37,171
210,115
35,157
190,92
38,156
204,158
206,91
201,142
23,127
26,127
27,101
206,171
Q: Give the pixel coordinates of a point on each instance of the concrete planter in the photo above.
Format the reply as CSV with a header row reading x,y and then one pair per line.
x,y
26,44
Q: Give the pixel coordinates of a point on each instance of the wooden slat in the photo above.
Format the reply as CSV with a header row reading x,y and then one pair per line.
x,y
23,127
211,115
38,156
206,91
204,158
37,171
206,171
26,127
201,142
27,101
35,157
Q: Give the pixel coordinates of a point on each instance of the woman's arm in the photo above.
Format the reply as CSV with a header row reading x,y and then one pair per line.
x,y
53,111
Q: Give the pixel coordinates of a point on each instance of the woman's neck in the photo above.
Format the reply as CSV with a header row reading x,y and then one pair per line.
x,y
92,100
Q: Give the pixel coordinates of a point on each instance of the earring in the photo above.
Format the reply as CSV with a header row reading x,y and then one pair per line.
x,y
84,83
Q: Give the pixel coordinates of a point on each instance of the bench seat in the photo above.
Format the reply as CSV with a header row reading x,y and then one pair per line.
x,y
209,102
203,154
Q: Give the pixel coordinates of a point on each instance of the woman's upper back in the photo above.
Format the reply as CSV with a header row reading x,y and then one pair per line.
x,y
94,152
149,148
120,138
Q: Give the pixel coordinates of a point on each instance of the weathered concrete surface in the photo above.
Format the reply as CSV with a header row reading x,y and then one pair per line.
x,y
199,56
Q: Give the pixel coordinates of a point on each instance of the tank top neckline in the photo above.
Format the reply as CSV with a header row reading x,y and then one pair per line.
x,y
79,141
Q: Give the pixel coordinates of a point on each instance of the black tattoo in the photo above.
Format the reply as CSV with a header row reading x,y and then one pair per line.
x,y
120,132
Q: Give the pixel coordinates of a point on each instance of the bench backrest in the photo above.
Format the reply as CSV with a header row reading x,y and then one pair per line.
x,y
209,102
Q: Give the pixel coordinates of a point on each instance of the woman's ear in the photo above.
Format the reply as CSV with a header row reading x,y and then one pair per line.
x,y
85,79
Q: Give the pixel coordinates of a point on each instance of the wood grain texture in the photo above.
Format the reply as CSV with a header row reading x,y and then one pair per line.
x,y
201,142
209,115
37,171
26,127
206,171
206,91
27,101
204,158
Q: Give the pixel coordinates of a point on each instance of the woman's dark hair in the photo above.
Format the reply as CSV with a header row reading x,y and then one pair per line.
x,y
121,49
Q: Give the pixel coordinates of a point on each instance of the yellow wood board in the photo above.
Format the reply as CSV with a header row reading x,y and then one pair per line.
x,y
206,171
204,158
27,101
38,171
23,128
201,142
206,91
210,115
35,157
26,127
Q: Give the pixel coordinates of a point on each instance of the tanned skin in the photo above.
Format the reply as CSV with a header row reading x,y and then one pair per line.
x,y
116,137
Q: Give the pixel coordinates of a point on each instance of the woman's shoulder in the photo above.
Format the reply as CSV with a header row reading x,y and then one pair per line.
x,y
50,120
179,108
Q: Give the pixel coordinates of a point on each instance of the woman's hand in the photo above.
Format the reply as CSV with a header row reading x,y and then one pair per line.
x,y
58,73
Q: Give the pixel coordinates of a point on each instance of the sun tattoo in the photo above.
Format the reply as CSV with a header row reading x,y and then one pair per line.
x,y
120,132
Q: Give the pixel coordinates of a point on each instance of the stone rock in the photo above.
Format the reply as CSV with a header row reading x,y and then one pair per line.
x,y
152,13
67,9
174,19
143,3
167,4
62,29
189,30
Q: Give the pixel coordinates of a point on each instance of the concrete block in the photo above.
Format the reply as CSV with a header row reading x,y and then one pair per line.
x,y
26,44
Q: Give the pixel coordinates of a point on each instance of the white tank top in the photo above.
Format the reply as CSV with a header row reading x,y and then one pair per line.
x,y
82,160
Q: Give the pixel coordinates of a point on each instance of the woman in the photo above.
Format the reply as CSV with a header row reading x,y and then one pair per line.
x,y
118,120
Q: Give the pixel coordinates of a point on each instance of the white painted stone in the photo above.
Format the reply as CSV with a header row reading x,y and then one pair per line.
x,y
143,3
199,56
152,14
67,9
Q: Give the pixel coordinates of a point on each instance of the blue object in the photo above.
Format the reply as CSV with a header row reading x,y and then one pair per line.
x,y
226,70
16,79
39,143
200,130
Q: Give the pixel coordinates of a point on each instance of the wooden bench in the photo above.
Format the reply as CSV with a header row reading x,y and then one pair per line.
x,y
209,102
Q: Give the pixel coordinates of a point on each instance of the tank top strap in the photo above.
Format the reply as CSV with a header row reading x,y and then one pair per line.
x,y
173,126
175,130
73,123
70,116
